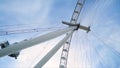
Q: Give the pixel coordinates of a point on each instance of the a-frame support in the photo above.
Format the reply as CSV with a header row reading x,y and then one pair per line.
x,y
53,51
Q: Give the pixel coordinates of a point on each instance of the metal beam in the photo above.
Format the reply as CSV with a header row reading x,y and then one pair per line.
x,y
53,51
85,28
28,43
78,26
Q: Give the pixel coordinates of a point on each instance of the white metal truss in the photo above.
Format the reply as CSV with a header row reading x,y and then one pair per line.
x,y
64,55
77,11
65,51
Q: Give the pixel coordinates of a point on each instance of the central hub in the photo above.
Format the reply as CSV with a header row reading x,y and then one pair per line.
x,y
87,29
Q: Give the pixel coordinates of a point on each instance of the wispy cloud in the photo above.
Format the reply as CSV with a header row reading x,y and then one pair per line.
x,y
26,11
104,22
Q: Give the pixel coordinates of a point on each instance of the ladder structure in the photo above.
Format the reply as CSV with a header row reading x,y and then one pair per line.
x,y
65,50
77,11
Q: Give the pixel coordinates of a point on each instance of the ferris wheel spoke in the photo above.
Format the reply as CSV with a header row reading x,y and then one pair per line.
x,y
107,45
101,60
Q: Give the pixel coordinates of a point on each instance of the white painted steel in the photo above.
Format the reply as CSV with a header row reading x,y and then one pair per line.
x,y
53,51
28,43
73,22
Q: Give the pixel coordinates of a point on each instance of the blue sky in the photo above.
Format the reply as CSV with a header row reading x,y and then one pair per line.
x,y
86,50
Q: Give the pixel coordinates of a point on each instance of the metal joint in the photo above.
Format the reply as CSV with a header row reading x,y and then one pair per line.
x,y
71,24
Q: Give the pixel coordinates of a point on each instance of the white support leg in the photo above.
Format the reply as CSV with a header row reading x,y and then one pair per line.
x,y
28,43
53,51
